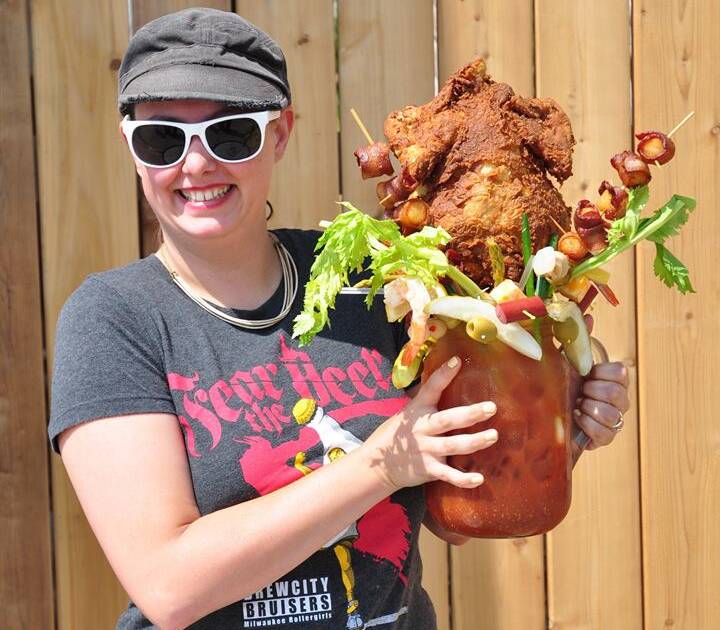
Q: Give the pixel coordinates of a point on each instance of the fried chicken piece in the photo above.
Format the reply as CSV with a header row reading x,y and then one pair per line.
x,y
485,154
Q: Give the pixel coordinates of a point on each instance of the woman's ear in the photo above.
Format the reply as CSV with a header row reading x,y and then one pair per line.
x,y
282,129
125,140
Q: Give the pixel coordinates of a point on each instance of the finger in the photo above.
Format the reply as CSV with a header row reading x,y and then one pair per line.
x,y
589,323
432,389
601,412
459,417
448,474
463,444
600,434
607,391
612,371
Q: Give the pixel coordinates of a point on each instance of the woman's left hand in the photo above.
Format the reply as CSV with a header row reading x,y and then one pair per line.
x,y
599,413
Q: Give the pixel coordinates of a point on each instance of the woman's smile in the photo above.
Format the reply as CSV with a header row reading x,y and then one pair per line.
x,y
210,197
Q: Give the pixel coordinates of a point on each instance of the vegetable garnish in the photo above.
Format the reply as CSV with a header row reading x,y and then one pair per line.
x,y
423,286
631,229
355,241
542,287
527,252
497,262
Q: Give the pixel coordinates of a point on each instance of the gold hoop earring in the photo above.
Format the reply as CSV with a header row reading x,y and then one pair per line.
x,y
268,216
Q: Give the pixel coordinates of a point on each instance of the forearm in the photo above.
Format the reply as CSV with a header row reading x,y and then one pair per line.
x,y
238,550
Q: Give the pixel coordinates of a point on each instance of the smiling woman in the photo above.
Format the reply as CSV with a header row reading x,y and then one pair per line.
x,y
196,433
208,189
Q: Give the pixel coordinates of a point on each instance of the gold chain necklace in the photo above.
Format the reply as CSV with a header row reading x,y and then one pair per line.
x,y
290,284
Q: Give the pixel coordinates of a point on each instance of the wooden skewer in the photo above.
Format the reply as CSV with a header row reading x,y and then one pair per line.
x,y
529,314
681,123
359,122
675,128
559,227
384,199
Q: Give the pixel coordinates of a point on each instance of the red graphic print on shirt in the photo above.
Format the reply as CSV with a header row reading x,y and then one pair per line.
x,y
256,398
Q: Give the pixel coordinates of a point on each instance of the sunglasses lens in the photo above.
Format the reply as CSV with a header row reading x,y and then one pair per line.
x,y
234,139
158,145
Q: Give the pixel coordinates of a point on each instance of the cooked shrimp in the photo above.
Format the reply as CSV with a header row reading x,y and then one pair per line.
x,y
402,296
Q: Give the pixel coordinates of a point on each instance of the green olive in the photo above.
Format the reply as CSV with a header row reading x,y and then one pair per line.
x,y
481,329
565,332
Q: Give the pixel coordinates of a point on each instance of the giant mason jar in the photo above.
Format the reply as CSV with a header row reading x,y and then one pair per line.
x,y
528,471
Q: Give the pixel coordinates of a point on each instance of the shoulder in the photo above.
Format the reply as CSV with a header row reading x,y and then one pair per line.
x,y
122,294
132,281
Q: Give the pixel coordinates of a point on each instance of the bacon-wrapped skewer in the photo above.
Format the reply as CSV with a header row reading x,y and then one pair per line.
x,y
395,190
572,246
374,160
413,214
590,226
613,201
632,169
655,147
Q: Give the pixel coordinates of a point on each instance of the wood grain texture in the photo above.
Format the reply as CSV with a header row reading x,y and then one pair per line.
x,y
143,11
89,222
26,590
676,52
593,559
499,31
498,584
490,577
436,575
306,181
386,61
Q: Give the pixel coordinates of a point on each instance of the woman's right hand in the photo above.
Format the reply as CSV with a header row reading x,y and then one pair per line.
x,y
409,448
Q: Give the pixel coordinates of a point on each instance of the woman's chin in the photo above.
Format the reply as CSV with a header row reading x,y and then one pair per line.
x,y
206,227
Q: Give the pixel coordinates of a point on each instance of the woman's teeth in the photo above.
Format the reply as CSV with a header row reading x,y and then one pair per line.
x,y
207,194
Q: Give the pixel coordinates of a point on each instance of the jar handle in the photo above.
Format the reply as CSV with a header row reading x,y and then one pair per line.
x,y
580,439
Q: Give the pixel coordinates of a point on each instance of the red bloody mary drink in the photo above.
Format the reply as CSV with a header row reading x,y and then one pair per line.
x,y
527,488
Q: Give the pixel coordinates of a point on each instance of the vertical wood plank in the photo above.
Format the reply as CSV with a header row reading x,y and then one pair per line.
x,y
499,31
436,575
89,222
382,68
677,47
143,11
26,588
386,61
583,62
490,577
306,181
498,584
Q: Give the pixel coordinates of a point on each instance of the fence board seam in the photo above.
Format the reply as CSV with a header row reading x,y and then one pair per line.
x,y
43,315
638,360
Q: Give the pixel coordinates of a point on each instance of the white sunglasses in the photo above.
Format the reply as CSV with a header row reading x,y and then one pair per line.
x,y
162,143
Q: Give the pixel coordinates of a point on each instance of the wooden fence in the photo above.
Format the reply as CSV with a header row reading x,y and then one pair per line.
x,y
641,545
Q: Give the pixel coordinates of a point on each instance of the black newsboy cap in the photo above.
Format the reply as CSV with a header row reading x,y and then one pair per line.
x,y
204,54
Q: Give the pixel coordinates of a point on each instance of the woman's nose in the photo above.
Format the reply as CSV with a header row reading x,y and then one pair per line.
x,y
197,160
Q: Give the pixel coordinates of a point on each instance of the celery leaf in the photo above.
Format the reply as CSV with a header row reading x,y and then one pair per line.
x,y
670,270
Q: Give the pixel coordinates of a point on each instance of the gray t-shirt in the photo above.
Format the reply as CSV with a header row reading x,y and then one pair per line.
x,y
129,341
